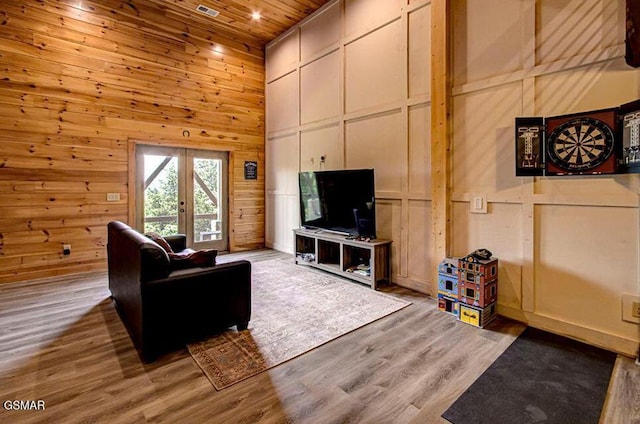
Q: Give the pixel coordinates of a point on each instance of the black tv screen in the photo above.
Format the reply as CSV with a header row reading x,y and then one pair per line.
x,y
340,201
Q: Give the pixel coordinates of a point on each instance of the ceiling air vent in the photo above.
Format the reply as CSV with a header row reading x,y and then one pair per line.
x,y
207,10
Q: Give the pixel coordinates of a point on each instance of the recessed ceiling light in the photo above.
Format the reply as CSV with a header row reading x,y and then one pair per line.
x,y
256,16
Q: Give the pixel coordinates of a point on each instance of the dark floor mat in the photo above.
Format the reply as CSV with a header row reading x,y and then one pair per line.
x,y
540,378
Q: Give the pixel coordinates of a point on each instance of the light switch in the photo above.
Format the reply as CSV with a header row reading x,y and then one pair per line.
x,y
478,203
113,197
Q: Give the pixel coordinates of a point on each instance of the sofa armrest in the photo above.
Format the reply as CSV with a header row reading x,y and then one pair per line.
x,y
239,269
178,242
195,303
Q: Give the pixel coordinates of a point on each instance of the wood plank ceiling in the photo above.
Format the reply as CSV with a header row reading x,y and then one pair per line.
x,y
236,15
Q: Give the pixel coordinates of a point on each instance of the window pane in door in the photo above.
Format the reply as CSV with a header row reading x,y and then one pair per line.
x,y
161,194
207,215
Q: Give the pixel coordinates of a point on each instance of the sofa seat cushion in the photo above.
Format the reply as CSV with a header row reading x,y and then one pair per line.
x,y
186,271
190,258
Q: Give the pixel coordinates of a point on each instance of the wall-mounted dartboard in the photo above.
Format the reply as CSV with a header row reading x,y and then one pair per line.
x,y
582,143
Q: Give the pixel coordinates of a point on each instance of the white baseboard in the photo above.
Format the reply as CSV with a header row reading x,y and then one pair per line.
x,y
591,336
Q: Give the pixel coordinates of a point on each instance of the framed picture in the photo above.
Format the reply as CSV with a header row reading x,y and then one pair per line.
x,y
582,143
529,139
632,41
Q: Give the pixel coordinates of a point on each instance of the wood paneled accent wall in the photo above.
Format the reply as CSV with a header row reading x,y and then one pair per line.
x,y
568,246
81,81
348,85
350,88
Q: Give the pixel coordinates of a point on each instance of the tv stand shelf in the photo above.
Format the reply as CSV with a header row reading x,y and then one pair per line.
x,y
366,262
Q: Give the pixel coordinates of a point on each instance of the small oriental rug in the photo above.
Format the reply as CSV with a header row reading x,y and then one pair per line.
x,y
294,310
540,378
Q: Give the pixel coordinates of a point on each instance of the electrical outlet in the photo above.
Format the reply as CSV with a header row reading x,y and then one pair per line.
x,y
631,308
113,197
66,249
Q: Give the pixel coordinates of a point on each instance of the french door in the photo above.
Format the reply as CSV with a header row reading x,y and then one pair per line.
x,y
183,191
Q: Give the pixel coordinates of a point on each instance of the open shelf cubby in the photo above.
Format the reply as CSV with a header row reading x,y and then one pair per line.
x,y
367,262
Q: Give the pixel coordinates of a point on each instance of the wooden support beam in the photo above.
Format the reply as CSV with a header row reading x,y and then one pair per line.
x,y
440,133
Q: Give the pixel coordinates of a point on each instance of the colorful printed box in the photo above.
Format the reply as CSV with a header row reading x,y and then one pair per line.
x,y
478,317
448,285
477,294
449,305
473,270
449,266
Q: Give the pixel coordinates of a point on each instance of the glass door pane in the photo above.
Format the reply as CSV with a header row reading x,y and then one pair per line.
x,y
161,198
183,191
209,200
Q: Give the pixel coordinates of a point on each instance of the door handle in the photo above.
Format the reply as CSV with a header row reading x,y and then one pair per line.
x,y
181,210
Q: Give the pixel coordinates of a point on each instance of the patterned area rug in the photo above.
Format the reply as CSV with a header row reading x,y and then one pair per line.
x,y
294,309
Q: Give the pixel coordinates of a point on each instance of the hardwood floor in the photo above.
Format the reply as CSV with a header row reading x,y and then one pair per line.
x,y
61,341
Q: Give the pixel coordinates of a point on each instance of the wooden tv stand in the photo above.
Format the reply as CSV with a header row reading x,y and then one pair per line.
x,y
345,257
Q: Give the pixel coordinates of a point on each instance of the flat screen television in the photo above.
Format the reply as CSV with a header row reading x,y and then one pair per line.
x,y
340,201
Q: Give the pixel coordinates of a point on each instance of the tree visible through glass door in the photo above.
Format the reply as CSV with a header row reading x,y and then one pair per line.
x,y
183,191
207,200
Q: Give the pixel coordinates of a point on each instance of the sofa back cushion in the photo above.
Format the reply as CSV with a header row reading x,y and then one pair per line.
x,y
154,261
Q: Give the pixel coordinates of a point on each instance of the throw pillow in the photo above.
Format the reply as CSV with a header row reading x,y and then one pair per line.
x,y
199,258
161,241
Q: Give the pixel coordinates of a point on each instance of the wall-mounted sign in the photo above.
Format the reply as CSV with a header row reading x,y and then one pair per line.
x,y
250,170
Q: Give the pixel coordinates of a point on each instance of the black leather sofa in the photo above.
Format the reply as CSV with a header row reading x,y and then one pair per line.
x,y
162,308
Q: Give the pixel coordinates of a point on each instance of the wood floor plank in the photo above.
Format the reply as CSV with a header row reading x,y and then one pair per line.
x,y
62,341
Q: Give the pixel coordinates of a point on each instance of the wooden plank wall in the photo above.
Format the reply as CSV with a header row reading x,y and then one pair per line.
x,y
81,80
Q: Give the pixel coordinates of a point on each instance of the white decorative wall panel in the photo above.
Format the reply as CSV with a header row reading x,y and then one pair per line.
x,y
487,39
320,32
363,15
282,211
568,28
318,143
588,87
420,51
375,142
389,225
500,231
282,103
374,69
320,89
483,152
586,257
420,149
282,164
419,265
283,56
